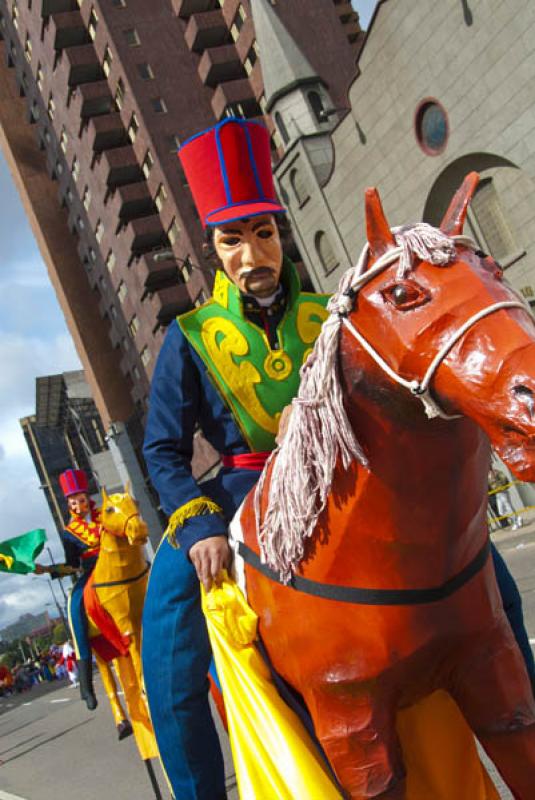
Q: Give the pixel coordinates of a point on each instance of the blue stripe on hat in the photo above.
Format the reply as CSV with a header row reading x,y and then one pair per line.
x,y
222,165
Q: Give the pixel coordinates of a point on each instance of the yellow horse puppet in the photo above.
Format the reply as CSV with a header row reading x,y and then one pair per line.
x,y
113,599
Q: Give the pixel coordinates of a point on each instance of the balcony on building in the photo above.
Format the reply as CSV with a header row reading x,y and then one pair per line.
x,y
236,97
92,100
129,202
206,30
119,167
82,65
155,274
219,64
49,7
105,133
67,30
185,8
168,303
144,234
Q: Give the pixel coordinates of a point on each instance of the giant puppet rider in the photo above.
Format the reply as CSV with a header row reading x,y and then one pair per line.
x,y
81,540
228,367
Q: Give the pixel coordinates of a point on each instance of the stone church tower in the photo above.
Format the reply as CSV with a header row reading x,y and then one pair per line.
x,y
304,115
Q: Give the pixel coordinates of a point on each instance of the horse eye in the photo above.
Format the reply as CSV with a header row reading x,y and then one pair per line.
x,y
109,510
405,294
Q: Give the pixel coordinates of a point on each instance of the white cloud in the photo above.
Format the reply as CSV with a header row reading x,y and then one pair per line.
x,y
24,508
24,358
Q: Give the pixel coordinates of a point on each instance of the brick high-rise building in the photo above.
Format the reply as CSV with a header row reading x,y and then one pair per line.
x,y
95,97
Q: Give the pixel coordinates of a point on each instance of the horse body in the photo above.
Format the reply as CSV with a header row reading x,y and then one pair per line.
x,y
123,564
412,518
120,583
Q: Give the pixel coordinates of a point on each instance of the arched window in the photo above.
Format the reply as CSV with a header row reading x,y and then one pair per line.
x,y
299,187
279,122
316,104
326,254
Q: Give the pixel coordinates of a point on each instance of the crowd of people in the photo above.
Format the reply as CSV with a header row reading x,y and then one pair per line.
x,y
57,663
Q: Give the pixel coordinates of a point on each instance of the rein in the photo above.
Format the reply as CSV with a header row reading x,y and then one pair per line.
x,y
125,581
371,597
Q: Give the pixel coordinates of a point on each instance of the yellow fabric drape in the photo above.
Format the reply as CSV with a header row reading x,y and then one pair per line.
x,y
274,756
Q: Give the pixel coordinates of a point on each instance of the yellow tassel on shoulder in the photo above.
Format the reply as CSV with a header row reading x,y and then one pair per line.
x,y
194,508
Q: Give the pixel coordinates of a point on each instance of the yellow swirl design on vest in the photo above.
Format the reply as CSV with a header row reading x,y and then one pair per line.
x,y
223,341
310,318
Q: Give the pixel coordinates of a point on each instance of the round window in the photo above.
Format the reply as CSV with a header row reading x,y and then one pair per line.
x,y
432,127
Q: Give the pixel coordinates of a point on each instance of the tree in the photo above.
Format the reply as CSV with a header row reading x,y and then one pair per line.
x,y
9,659
60,634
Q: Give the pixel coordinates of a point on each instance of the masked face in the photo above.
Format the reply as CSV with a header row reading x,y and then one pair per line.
x,y
79,504
251,254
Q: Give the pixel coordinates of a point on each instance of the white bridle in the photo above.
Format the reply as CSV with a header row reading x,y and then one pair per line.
x,y
419,388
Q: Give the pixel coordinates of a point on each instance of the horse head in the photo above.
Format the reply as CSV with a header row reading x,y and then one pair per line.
x,y
120,517
448,328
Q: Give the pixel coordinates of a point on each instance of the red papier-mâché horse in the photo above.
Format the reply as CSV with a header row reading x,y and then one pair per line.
x,y
370,520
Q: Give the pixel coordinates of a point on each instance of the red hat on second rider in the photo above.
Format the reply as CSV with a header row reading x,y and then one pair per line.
x,y
228,169
73,481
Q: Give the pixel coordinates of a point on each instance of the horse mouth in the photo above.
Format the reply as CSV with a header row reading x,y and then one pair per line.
x,y
516,447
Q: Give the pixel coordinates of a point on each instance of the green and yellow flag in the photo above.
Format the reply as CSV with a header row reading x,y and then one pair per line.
x,y
18,555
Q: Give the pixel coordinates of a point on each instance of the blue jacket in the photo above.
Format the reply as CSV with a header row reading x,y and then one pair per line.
x,y
182,399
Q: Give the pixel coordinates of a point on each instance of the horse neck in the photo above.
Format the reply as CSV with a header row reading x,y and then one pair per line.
x,y
433,471
422,494
117,557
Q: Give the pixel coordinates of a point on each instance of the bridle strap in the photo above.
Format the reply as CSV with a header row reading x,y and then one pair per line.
x,y
420,389
132,516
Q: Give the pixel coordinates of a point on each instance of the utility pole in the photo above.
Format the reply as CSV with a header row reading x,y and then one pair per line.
x,y
56,602
63,613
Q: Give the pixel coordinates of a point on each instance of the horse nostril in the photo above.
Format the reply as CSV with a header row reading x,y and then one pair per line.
x,y
525,395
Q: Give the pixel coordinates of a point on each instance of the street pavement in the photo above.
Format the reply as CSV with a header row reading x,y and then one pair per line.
x,y
51,746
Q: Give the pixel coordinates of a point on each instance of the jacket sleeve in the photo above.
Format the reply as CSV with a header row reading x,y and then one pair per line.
x,y
72,557
168,447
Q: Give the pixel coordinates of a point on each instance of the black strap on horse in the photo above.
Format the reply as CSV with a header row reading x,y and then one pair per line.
x,y
371,597
125,581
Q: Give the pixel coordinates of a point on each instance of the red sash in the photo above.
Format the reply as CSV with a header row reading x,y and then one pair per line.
x,y
111,643
254,461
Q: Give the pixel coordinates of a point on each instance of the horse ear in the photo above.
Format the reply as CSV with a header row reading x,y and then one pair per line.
x,y
104,496
455,216
127,488
380,237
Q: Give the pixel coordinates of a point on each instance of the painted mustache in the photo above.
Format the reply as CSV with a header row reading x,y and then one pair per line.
x,y
248,272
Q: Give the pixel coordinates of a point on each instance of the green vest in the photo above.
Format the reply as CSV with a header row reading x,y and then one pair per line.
x,y
255,381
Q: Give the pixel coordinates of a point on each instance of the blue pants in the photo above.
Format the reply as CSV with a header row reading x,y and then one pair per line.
x,y
78,617
512,604
176,658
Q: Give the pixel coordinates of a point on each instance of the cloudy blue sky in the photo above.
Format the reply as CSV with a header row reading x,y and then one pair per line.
x,y
33,341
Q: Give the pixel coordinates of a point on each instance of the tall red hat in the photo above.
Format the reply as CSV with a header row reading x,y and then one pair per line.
x,y
228,168
73,481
